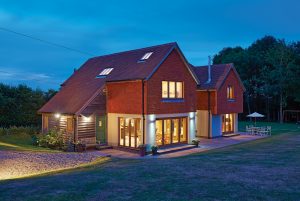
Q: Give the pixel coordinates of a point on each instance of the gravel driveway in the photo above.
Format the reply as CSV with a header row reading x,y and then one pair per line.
x,y
15,164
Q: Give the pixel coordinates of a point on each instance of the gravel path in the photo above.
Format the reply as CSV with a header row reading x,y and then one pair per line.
x,y
15,164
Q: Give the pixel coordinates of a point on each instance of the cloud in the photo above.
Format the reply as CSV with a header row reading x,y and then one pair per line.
x,y
18,76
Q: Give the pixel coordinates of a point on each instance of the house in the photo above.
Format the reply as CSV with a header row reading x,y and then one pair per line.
x,y
145,96
219,100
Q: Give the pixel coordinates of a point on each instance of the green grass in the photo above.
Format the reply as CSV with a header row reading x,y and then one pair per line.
x,y
277,128
20,142
265,169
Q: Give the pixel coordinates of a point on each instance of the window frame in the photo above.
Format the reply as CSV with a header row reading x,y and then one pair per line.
x,y
230,92
70,119
175,88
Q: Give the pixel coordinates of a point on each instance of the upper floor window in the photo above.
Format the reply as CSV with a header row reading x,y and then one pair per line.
x,y
230,92
171,89
146,56
106,71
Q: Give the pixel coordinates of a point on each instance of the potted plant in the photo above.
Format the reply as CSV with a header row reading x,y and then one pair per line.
x,y
154,150
79,147
196,142
142,149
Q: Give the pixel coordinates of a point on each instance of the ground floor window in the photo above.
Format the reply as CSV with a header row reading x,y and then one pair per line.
x,y
171,131
228,123
45,122
130,132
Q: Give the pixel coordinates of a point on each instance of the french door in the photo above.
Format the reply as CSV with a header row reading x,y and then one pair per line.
x,y
130,133
171,131
227,123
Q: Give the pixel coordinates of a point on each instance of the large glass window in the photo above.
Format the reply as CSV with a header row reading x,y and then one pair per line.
x,y
228,123
159,132
171,89
129,132
183,130
171,131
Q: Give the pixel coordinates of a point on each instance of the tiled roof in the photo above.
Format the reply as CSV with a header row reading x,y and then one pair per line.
x,y
218,74
83,85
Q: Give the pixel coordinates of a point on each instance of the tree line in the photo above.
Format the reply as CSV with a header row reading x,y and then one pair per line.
x,y
270,71
19,105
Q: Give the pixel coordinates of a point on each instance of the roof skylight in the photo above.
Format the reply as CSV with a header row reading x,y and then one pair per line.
x,y
146,56
106,71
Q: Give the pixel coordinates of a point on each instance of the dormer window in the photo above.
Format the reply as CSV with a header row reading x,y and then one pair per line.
x,y
105,72
146,56
230,92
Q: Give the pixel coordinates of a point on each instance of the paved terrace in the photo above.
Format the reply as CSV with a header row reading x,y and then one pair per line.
x,y
205,145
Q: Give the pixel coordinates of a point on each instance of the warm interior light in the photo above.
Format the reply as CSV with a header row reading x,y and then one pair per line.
x,y
57,115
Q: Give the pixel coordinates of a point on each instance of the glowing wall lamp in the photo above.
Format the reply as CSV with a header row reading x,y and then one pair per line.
x,y
57,115
86,119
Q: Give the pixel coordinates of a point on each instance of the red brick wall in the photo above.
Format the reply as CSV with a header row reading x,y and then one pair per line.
x,y
124,97
223,105
172,69
202,101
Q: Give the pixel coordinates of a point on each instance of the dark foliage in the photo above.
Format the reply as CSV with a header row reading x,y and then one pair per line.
x,y
270,70
19,105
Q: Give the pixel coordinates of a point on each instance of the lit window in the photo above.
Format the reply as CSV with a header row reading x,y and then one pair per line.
x,y
171,89
146,56
165,89
106,71
230,92
69,124
45,122
179,90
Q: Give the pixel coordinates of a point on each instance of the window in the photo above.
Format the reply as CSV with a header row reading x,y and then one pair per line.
x,y
230,92
146,56
69,124
130,132
171,89
45,123
171,131
106,71
165,90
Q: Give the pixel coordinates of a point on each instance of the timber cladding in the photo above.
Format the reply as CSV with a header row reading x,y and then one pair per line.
x,y
86,127
60,124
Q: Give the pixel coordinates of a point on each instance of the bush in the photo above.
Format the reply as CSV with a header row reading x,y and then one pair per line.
x,y
53,140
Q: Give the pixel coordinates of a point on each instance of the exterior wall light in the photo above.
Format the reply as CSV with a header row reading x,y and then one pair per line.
x,y
57,115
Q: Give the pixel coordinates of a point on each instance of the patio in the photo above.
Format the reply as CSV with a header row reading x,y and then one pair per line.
x,y
205,145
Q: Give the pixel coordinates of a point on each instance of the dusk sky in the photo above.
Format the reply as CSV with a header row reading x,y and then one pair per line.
x,y
201,28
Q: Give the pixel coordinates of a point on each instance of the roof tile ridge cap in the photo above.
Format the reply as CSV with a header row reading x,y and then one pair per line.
x,y
138,49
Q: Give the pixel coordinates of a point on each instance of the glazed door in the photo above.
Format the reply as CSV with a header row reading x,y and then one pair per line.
x,y
227,123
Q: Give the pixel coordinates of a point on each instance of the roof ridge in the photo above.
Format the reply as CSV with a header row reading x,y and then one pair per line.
x,y
138,49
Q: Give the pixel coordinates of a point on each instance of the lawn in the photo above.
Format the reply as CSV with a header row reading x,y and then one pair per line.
x,y
265,169
20,142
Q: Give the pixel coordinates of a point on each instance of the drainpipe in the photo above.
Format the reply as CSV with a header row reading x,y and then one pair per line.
x,y
209,113
143,111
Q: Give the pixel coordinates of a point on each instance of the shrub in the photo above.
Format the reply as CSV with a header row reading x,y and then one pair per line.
x,y
53,140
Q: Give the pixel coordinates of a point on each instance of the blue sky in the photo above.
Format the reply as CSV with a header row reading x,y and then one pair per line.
x,y
201,28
